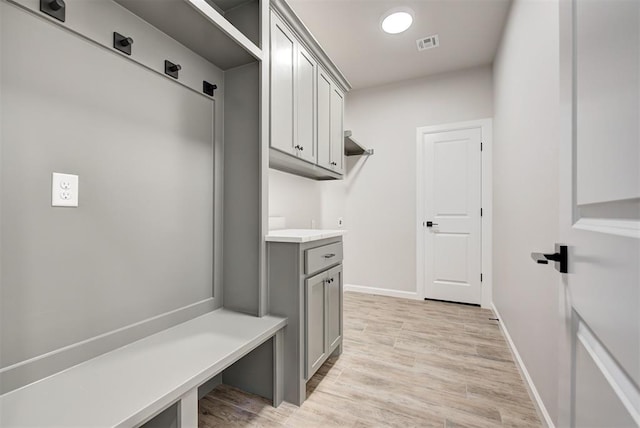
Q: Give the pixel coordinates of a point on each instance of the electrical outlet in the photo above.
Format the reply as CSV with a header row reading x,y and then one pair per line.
x,y
64,190
340,222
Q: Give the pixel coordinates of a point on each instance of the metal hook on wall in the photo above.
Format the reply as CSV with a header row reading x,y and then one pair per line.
x,y
171,69
208,88
122,43
54,8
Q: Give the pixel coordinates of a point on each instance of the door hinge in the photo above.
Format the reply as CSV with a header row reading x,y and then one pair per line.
x,y
480,277
481,146
480,212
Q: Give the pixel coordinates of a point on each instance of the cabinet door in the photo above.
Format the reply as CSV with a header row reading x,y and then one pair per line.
x,y
315,310
305,75
334,306
324,119
283,52
337,129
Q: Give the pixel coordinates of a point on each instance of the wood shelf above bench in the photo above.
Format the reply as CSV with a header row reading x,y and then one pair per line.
x,y
132,384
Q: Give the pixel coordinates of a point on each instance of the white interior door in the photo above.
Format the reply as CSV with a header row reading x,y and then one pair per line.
x,y
452,223
600,213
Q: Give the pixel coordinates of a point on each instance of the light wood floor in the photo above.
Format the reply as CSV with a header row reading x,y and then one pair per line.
x,y
405,363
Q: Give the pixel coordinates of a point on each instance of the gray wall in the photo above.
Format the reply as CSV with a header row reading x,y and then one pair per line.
x,y
242,201
379,193
137,255
525,176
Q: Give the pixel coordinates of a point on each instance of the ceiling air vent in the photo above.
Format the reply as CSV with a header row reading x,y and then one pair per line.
x,y
428,42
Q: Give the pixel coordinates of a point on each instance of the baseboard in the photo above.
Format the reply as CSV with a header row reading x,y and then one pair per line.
x,y
34,369
533,391
382,291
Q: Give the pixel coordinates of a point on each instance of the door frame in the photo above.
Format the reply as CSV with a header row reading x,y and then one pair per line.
x,y
486,239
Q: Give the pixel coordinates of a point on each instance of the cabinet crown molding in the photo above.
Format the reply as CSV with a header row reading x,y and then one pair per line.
x,y
282,8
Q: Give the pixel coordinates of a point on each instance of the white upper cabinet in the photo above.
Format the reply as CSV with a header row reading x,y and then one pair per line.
x,y
307,103
305,109
283,61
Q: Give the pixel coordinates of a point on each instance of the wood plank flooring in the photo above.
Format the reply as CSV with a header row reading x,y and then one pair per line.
x,y
405,364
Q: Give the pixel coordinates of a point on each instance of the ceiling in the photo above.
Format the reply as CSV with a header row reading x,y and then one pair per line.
x,y
349,31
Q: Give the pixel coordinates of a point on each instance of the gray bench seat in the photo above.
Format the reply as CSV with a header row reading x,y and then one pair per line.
x,y
128,386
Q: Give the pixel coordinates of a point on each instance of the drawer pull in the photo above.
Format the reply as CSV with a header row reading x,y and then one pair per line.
x,y
330,255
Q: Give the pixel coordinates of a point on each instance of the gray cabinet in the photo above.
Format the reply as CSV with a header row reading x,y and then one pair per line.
x,y
305,285
324,119
307,105
337,129
330,123
316,323
323,317
334,290
283,60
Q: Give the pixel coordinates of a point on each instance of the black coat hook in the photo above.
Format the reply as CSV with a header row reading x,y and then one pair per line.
x,y
171,69
122,43
54,8
208,88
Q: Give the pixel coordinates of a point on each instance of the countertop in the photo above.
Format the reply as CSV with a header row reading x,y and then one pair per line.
x,y
302,235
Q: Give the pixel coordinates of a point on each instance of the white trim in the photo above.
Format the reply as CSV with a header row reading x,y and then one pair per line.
x,y
382,291
620,383
533,391
628,228
486,126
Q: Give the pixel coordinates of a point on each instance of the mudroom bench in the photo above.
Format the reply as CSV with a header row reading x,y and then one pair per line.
x,y
131,385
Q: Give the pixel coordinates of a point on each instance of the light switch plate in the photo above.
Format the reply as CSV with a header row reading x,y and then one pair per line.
x,y
64,190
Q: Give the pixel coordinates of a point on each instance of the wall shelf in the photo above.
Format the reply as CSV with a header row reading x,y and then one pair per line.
x,y
353,148
201,28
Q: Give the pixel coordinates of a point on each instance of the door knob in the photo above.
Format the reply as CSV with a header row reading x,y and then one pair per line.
x,y
560,257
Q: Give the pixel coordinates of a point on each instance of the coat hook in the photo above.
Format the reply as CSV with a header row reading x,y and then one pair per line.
x,y
54,8
171,69
208,88
122,43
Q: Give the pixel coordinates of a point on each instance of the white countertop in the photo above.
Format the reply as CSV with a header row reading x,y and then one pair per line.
x,y
302,235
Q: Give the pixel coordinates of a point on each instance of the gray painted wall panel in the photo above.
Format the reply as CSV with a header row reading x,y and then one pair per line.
x,y
242,202
141,242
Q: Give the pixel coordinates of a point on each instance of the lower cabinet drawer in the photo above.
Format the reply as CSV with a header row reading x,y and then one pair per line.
x,y
317,259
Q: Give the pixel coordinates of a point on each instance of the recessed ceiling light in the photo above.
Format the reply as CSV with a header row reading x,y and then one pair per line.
x,y
396,21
